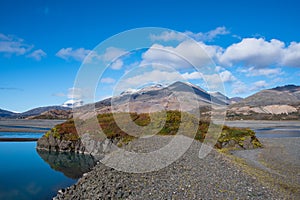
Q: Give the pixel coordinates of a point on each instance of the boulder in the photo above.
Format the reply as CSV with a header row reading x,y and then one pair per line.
x,y
247,143
43,143
231,144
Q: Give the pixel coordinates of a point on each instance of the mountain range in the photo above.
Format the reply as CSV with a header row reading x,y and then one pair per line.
x,y
277,103
33,112
6,113
177,96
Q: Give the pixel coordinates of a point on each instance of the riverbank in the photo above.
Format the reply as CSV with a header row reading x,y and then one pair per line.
x,y
258,124
18,139
215,176
277,164
25,125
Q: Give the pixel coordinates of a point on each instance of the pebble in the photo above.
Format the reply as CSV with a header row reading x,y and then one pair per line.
x,y
214,177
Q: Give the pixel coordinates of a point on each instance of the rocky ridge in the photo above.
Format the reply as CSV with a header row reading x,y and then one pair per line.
x,y
64,137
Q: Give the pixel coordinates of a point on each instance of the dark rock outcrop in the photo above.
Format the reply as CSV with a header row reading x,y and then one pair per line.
x,y
247,142
50,143
84,145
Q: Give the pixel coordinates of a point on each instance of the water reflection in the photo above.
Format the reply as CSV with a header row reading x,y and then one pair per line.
x,y
72,165
25,176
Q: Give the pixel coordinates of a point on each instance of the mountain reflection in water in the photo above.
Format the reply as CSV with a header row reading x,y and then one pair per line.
x,y
72,165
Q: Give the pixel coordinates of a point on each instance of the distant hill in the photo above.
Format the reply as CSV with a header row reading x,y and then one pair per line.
x,y
221,97
40,110
47,112
177,96
284,95
6,113
277,103
53,114
225,99
235,100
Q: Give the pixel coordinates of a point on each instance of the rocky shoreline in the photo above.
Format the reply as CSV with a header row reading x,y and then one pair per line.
x,y
189,177
83,145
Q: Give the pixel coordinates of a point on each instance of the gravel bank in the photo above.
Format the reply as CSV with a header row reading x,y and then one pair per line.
x,y
27,125
278,162
257,124
214,177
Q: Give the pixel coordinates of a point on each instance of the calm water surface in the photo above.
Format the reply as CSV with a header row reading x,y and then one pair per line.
x,y
25,175
277,132
269,129
20,135
28,174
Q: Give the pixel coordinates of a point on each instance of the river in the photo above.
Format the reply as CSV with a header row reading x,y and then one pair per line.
x,y
28,174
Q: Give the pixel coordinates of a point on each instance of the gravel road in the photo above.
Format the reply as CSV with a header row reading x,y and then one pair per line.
x,y
214,177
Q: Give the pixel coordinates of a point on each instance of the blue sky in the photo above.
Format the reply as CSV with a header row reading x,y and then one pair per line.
x,y
255,44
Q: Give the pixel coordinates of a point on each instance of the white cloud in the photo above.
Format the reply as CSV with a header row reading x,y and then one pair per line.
x,y
110,56
269,72
210,35
78,93
213,81
88,56
216,81
5,37
37,54
258,85
163,55
253,52
107,80
168,36
192,76
75,93
218,68
117,64
70,53
184,55
260,53
177,36
112,53
291,55
239,88
227,77
13,45
10,44
154,76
